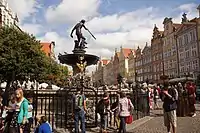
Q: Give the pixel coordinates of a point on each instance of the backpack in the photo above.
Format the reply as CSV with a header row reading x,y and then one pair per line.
x,y
101,106
79,101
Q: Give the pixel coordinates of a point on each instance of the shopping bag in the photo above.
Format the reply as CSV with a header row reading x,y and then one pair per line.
x,y
129,119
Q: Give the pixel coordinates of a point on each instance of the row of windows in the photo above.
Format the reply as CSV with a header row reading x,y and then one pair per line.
x,y
147,60
169,53
6,18
192,65
157,56
186,39
169,64
158,67
188,54
168,40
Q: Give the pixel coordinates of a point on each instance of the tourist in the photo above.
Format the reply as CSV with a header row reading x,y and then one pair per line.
x,y
155,97
44,126
170,97
115,109
103,107
79,110
30,115
11,109
125,108
191,98
21,111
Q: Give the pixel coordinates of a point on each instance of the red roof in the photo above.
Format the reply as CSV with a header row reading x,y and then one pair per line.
x,y
176,25
46,48
105,61
126,52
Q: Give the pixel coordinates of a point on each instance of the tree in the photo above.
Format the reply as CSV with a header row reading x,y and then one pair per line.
x,y
20,56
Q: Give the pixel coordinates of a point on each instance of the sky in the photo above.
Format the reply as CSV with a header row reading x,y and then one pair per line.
x,y
115,23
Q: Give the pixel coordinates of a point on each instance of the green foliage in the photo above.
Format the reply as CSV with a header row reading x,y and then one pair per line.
x,y
20,55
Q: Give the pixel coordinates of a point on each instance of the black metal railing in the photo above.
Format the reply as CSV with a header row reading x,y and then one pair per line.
x,y
56,106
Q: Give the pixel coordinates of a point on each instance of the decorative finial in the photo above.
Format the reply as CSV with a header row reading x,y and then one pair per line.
x,y
115,50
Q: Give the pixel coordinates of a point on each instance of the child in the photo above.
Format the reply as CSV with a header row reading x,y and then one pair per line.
x,y
30,114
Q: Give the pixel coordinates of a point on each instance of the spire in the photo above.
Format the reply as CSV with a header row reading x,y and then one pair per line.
x,y
16,18
198,8
146,44
115,50
155,27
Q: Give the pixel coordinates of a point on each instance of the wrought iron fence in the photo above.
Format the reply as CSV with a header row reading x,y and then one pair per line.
x,y
56,106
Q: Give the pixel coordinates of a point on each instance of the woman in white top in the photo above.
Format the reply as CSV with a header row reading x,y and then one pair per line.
x,y
125,107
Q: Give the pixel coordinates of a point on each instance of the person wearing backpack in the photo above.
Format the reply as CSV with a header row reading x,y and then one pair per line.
x,y
169,98
79,110
103,108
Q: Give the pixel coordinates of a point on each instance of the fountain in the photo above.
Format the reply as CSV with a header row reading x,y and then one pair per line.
x,y
79,60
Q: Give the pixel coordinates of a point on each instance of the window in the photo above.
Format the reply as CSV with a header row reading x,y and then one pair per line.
x,y
167,27
191,36
187,54
186,39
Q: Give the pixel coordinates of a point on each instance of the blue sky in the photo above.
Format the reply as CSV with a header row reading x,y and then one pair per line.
x,y
115,23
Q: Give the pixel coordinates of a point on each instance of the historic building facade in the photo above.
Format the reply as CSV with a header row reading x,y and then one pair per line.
x,y
138,64
146,63
7,17
115,67
157,55
123,61
170,48
131,66
48,49
98,75
188,47
108,72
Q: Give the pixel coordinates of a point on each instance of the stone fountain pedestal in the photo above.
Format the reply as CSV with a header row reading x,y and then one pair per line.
x,y
79,60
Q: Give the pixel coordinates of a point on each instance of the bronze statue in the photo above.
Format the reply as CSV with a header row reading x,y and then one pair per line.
x,y
184,19
81,40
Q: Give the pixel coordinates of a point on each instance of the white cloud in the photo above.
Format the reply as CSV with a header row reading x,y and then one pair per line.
x,y
24,8
189,7
32,28
112,31
72,11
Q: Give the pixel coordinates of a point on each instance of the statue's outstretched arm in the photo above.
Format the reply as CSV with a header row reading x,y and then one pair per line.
x,y
72,31
85,27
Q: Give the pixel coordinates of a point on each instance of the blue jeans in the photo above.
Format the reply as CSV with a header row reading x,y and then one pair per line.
x,y
122,126
79,114
104,121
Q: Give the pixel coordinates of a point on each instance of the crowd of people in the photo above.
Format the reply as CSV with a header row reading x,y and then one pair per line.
x,y
122,110
178,100
17,115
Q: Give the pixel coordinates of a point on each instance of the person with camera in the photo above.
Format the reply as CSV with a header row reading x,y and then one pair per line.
x,y
169,98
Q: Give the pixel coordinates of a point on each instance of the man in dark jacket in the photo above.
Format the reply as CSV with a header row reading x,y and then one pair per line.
x,y
170,97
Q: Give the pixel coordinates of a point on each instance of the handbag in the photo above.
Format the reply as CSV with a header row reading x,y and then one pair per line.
x,y
129,119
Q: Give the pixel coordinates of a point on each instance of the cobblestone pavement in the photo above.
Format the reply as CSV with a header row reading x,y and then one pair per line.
x,y
156,125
